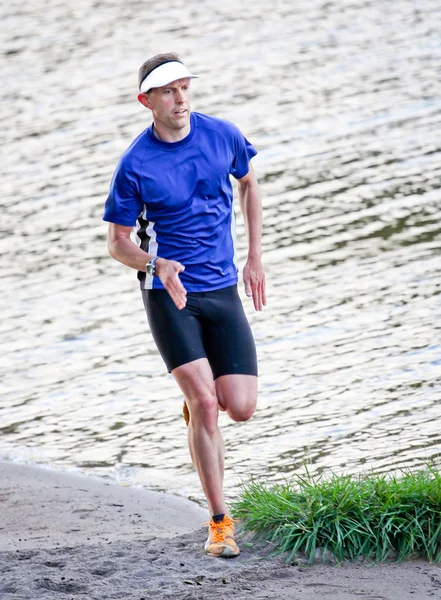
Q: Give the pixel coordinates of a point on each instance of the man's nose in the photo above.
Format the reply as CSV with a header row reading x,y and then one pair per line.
x,y
180,97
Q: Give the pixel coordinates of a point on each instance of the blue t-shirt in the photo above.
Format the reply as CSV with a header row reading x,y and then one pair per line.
x,y
179,199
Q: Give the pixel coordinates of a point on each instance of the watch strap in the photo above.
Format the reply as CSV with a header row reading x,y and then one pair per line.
x,y
151,266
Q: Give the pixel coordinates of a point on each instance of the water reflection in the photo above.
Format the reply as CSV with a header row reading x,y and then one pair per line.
x,y
341,100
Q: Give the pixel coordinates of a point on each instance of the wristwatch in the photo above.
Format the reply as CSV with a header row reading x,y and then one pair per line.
x,y
150,267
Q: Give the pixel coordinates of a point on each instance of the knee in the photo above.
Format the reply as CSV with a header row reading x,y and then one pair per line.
x,y
237,395
242,411
204,410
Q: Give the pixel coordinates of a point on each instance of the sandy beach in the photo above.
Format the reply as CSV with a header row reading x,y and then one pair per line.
x,y
72,537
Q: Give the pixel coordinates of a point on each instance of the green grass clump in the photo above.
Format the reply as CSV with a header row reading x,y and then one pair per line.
x,y
349,516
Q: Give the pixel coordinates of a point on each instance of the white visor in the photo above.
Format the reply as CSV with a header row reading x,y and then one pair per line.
x,y
165,73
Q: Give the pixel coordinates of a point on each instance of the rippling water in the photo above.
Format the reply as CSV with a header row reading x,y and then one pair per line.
x,y
342,100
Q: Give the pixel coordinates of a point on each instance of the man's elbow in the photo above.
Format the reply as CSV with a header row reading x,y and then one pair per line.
x,y
112,246
243,188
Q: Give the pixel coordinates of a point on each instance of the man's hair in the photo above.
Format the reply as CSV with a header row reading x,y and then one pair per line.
x,y
150,64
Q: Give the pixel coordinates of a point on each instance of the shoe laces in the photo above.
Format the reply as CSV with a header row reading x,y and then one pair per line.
x,y
220,530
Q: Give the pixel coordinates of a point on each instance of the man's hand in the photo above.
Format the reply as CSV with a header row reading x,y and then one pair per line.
x,y
254,280
168,272
123,249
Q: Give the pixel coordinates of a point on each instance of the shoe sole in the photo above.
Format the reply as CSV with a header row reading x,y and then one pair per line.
x,y
225,552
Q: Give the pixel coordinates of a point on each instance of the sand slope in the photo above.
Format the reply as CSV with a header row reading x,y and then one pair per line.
x,y
40,508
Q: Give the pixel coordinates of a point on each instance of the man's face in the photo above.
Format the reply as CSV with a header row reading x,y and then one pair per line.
x,y
170,104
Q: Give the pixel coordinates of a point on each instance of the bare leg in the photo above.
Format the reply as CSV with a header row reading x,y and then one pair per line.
x,y
237,395
205,441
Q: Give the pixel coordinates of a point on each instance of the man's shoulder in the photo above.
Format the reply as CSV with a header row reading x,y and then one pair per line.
x,y
217,124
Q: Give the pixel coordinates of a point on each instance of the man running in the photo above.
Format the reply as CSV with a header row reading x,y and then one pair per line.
x,y
172,187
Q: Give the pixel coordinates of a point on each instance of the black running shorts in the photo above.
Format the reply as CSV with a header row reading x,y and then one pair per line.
x,y
212,325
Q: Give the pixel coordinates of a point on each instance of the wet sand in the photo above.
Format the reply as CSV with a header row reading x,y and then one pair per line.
x,y
75,537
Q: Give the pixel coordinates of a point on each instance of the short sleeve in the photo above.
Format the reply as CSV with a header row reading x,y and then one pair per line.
x,y
243,153
123,204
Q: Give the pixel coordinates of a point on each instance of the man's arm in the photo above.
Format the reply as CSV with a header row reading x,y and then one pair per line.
x,y
251,207
122,248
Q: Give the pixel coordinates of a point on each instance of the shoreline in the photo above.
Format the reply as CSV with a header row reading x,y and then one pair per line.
x,y
75,537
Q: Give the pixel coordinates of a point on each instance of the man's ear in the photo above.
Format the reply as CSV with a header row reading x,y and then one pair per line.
x,y
144,99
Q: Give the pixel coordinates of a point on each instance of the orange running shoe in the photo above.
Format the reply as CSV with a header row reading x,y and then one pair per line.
x,y
186,413
221,539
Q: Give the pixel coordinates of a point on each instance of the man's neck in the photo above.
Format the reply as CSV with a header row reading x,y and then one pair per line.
x,y
170,136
